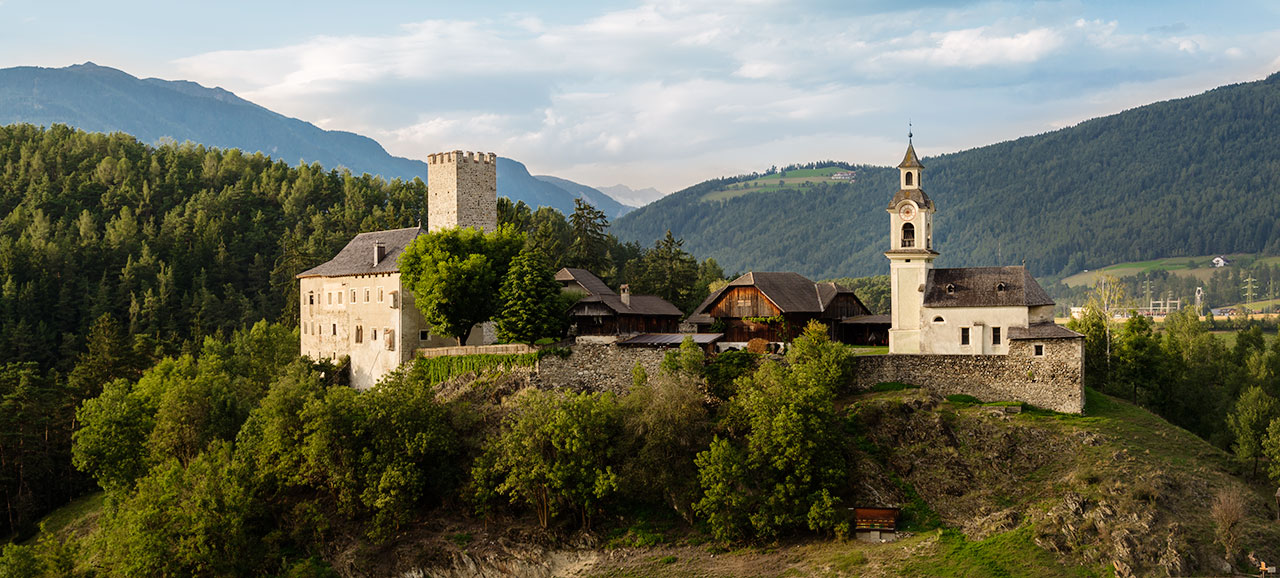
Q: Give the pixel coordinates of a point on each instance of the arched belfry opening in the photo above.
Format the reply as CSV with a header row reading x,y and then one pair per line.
x,y
908,235
910,177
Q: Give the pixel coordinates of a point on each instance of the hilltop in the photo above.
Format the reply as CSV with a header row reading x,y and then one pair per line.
x,y
985,493
1186,177
102,99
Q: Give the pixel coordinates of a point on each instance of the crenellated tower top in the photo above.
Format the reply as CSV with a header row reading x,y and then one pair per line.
x,y
462,190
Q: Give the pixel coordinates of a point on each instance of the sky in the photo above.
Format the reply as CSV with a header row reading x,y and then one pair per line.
x,y
668,93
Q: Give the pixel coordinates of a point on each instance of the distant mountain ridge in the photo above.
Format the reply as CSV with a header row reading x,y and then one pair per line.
x,y
102,99
1184,177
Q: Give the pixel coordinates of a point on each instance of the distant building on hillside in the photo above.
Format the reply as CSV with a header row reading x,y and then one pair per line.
x,y
355,304
1221,261
601,311
844,176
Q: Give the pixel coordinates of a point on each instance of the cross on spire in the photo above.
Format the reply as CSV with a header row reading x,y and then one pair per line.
x,y
909,135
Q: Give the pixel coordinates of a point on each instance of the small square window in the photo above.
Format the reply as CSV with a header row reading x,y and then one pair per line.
x,y
366,294
339,298
353,295
964,336
424,335
1039,350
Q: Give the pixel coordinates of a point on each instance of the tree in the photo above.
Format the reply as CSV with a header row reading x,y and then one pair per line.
x,y
1254,412
531,303
784,470
455,276
590,244
669,272
556,449
665,423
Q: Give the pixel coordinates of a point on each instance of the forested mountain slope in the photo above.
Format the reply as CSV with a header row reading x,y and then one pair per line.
x,y
102,99
1191,176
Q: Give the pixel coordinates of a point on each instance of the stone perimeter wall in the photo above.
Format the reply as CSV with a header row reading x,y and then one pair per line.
x,y
597,367
1052,381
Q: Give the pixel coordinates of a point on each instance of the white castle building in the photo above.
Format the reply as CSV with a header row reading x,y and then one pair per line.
x,y
355,304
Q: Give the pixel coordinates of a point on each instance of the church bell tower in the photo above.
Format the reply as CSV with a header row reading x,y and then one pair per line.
x,y
910,253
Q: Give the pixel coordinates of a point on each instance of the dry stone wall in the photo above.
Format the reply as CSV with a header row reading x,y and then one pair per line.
x,y
1054,380
597,367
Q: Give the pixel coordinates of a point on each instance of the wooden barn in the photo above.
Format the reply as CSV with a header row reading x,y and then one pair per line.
x,y
777,306
601,311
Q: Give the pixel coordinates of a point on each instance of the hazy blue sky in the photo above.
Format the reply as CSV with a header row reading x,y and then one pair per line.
x,y
669,93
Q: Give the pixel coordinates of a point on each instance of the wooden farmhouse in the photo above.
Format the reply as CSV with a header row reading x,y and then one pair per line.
x,y
777,306
601,311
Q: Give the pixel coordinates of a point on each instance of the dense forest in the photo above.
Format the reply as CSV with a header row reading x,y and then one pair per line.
x,y
1193,176
114,254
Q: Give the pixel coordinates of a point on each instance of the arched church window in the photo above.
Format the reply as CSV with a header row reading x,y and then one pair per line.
x,y
909,176
937,319
908,235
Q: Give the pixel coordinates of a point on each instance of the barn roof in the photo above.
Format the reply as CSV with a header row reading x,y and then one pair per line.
x,y
598,292
357,257
983,287
789,292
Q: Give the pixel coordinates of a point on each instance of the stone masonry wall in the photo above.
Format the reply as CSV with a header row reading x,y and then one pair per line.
x,y
1052,381
462,190
597,367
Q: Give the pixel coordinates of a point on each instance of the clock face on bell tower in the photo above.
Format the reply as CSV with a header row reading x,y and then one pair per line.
x,y
907,211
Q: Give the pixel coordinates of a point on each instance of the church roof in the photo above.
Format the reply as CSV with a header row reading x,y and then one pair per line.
x,y
1043,331
910,161
983,287
922,200
357,257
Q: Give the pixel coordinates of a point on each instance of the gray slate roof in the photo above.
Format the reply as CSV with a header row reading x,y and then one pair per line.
x,y
598,292
922,200
983,287
1043,331
357,257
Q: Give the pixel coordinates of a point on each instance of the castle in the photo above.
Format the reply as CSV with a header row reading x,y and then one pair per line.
x,y
355,304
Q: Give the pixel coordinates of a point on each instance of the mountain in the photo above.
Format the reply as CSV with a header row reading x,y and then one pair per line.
x,y
597,198
102,99
1192,176
632,197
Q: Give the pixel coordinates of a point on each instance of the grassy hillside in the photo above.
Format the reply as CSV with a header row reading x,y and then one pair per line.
x,y
1182,178
985,494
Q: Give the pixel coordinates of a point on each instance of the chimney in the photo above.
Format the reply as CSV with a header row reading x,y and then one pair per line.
x,y
626,295
379,252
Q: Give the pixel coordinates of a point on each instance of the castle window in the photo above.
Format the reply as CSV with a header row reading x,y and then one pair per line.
x,y
375,334
366,294
908,178
335,329
359,334
353,295
329,297
379,295
339,298
995,336
908,235
937,319
424,335
1039,350
964,336
389,337
311,298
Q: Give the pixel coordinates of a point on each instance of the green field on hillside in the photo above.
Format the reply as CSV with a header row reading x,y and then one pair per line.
x,y
773,183
1200,267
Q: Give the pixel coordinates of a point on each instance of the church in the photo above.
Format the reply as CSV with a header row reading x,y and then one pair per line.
x,y
960,311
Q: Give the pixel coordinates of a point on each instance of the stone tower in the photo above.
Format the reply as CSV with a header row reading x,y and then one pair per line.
x,y
910,254
462,190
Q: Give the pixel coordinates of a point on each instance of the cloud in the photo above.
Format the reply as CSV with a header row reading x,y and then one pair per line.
x,y
676,82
